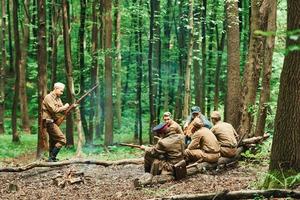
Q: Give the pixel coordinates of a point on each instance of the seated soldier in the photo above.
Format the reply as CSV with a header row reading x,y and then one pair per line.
x,y
225,134
204,146
196,112
168,151
173,126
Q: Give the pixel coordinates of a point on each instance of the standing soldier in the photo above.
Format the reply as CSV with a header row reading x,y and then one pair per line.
x,y
204,146
173,126
225,134
52,109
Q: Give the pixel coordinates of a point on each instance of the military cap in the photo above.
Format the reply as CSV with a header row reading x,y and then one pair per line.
x,y
160,127
215,114
195,109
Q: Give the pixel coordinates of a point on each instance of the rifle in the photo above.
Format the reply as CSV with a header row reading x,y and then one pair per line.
x,y
71,107
130,145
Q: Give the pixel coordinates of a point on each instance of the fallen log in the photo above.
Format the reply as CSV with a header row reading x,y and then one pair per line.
x,y
254,140
242,194
72,162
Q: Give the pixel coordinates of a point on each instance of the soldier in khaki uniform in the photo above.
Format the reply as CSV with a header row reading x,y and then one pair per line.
x,y
225,134
173,126
52,109
168,151
204,146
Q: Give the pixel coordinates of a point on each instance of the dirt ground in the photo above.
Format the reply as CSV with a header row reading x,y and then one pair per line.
x,y
116,182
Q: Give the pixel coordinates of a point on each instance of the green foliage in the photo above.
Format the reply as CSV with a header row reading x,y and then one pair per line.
x,y
11,150
260,154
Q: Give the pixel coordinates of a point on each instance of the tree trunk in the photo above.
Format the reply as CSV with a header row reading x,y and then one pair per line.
x,y
252,69
118,62
270,20
220,49
94,100
285,148
69,71
17,70
150,72
166,47
42,75
203,52
55,31
2,66
107,5
137,21
11,56
182,61
82,68
233,65
187,84
23,63
196,60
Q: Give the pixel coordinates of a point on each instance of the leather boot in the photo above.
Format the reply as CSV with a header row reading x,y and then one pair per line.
x,y
53,154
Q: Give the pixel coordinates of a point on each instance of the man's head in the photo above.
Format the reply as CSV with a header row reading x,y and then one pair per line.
x,y
160,128
195,110
215,117
58,88
167,117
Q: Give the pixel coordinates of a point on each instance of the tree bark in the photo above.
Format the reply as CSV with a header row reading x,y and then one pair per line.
x,y
2,66
233,65
23,63
187,84
107,5
285,148
69,71
11,56
150,72
270,12
55,32
81,40
203,52
71,162
14,116
252,69
118,62
42,75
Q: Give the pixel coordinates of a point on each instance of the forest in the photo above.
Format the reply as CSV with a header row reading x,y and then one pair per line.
x,y
238,57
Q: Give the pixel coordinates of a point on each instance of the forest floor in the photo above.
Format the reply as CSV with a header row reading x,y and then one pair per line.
x,y
116,182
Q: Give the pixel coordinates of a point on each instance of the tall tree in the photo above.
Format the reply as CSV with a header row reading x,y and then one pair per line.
x,y
187,85
118,61
285,147
203,53
69,71
233,65
252,68
269,14
11,57
55,32
81,37
94,100
17,70
23,64
107,6
2,65
150,71
42,75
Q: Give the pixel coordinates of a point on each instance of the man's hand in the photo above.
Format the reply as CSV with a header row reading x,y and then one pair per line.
x,y
66,106
142,147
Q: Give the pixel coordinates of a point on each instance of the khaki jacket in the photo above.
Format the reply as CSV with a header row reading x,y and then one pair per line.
x,y
52,106
170,148
175,127
225,134
205,140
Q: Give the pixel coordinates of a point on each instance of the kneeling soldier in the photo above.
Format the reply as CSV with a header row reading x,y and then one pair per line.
x,y
168,151
204,146
225,134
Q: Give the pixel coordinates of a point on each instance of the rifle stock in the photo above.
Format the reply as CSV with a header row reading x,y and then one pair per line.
x,y
60,120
